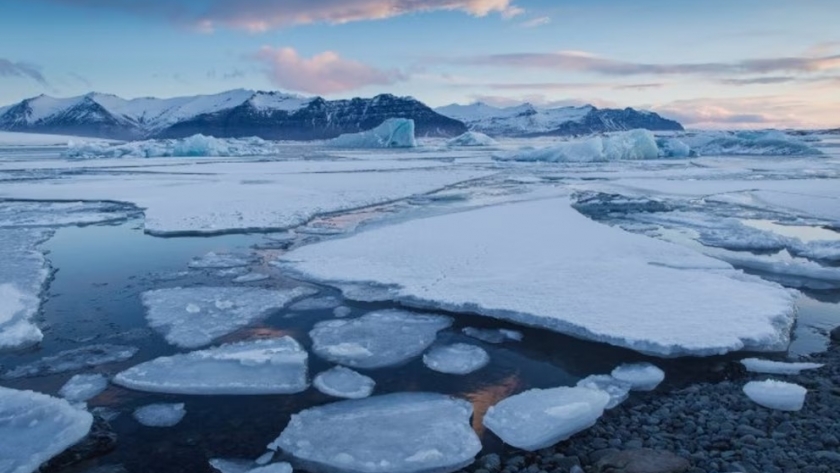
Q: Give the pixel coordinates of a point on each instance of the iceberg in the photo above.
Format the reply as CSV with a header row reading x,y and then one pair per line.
x,y
640,376
344,382
618,390
193,317
23,274
394,433
540,418
392,133
757,365
776,395
472,138
749,143
458,358
82,387
272,366
36,427
72,360
626,145
376,339
543,264
160,415
193,146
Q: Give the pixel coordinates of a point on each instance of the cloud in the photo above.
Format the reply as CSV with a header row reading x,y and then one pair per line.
x,y
324,73
22,69
536,22
750,112
264,15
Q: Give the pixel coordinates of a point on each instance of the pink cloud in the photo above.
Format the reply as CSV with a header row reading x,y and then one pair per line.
x,y
324,73
751,112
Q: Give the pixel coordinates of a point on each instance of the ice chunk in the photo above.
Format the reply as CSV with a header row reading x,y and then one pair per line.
x,y
377,339
272,366
458,358
596,282
344,382
756,365
540,418
35,427
247,466
794,272
342,311
753,143
251,277
776,395
472,138
514,335
490,335
213,260
71,360
23,274
395,433
195,316
618,390
627,145
192,146
316,303
82,387
640,376
160,415
392,133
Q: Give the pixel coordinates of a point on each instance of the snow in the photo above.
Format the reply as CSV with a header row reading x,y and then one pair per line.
x,y
344,382
35,427
271,366
12,138
776,395
270,101
626,145
640,376
540,418
82,387
472,138
756,365
394,433
392,133
490,335
618,390
71,360
458,358
23,274
543,264
376,339
160,415
213,260
193,317
517,120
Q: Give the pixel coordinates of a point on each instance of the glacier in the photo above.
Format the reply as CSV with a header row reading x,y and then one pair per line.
x,y
457,358
392,133
777,395
344,382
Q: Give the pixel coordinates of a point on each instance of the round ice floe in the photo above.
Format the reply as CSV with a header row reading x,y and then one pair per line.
x,y
247,466
395,433
756,365
377,339
618,390
458,358
641,376
776,394
540,418
344,382
82,387
160,415
342,311
490,335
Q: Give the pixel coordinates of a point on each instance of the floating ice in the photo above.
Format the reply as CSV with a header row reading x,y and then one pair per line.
x,y
247,466
458,358
193,146
755,143
618,390
472,138
377,339
776,395
316,303
795,272
640,376
342,311
828,251
395,433
272,366
756,365
23,273
596,282
71,360
251,277
392,133
540,418
35,427
160,415
213,260
344,382
194,317
626,145
53,214
82,387
490,335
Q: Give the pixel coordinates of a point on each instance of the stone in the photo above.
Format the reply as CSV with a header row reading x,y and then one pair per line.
x,y
100,440
642,461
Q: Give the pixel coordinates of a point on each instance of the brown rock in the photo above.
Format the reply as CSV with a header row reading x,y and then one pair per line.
x,y
642,460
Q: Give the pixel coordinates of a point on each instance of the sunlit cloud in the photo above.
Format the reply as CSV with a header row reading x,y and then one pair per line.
x,y
751,112
536,22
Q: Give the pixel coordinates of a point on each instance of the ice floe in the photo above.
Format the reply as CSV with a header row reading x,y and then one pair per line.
x,y
490,335
272,366
342,311
377,339
23,274
472,138
213,260
523,262
392,133
777,395
246,466
457,358
640,376
618,390
316,303
251,277
344,382
795,272
160,415
83,387
35,427
195,316
72,360
394,433
540,418
757,365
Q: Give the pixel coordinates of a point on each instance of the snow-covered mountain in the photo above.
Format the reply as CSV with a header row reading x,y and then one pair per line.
x,y
528,120
235,113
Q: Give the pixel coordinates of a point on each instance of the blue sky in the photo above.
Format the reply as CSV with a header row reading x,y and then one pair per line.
x,y
711,63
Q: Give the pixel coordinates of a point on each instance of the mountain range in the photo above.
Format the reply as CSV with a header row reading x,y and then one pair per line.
x,y
281,116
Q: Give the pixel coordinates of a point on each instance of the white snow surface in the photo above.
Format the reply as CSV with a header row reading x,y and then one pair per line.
x,y
540,418
394,433
543,264
640,376
344,382
757,365
472,138
777,395
392,133
23,274
195,316
160,415
618,390
457,358
376,339
13,138
82,387
513,121
36,427
271,366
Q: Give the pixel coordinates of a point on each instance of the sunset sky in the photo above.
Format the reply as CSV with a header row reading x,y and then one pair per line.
x,y
709,64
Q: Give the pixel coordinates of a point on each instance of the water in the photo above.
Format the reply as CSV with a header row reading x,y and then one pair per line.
x,y
805,233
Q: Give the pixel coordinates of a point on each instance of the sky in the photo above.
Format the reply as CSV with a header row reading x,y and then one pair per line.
x,y
709,64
